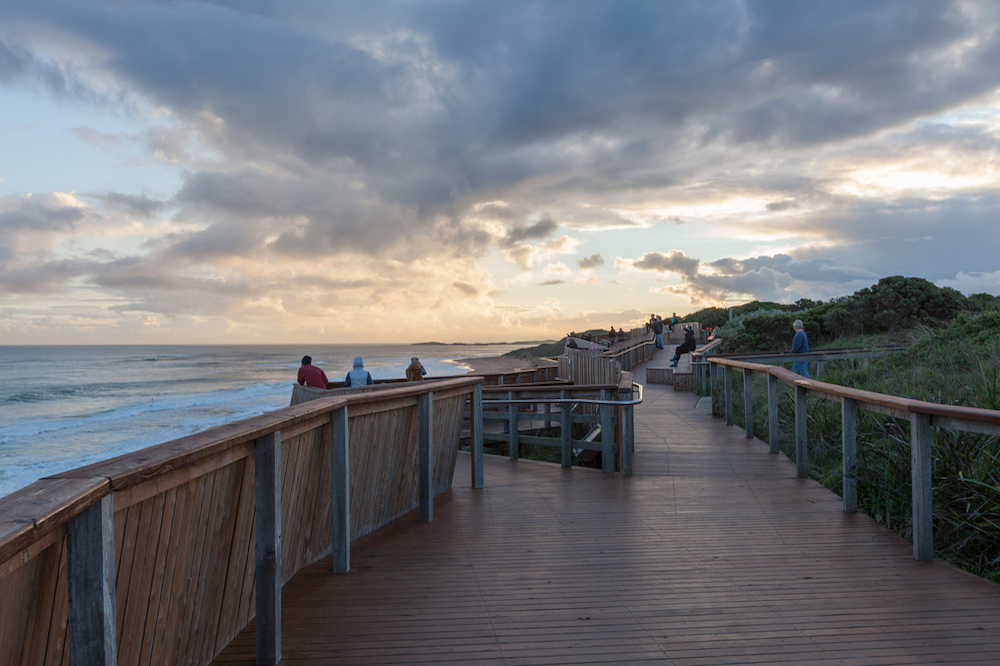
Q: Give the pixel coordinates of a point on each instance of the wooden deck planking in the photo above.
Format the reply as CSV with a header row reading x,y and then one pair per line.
x,y
712,553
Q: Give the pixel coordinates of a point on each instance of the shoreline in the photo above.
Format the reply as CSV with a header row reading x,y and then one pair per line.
x,y
494,364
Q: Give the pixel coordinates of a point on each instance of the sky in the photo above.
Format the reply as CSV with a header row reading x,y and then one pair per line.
x,y
403,171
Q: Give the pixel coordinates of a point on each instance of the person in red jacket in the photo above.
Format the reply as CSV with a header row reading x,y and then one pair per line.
x,y
310,375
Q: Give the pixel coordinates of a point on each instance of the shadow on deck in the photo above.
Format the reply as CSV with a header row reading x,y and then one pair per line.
x,y
712,553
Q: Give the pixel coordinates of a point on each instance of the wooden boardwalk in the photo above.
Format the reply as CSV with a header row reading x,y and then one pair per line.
x,y
713,553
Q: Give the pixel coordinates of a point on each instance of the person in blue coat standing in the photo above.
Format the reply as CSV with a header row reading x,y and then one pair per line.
x,y
358,376
800,345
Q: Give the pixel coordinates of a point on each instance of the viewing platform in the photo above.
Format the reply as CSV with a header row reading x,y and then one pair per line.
x,y
351,529
713,552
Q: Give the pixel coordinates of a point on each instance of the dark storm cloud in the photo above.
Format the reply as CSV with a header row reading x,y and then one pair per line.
x,y
380,127
431,103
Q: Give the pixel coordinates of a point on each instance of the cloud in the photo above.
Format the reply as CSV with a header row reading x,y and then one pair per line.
x,y
591,262
975,283
673,261
40,212
793,148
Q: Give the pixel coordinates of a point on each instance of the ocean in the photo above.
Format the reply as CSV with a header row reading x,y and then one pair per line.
x,y
62,407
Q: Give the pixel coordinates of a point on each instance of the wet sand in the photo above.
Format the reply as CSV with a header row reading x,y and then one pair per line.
x,y
493,364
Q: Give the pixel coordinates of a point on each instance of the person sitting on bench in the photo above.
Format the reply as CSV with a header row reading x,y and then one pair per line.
x,y
685,347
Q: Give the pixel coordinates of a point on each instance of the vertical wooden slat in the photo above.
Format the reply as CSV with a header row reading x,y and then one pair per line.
x,y
513,428
801,440
90,553
185,638
772,413
57,646
565,431
607,435
923,529
748,402
341,490
849,449
478,478
147,541
268,548
729,394
144,643
628,439
245,509
172,605
426,442
130,525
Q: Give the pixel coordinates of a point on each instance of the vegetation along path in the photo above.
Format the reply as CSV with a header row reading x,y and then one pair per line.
x,y
712,553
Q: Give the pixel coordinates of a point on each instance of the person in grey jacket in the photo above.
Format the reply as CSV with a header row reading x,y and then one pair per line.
x,y
358,376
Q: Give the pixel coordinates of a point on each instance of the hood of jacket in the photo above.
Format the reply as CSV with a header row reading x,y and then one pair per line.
x,y
358,363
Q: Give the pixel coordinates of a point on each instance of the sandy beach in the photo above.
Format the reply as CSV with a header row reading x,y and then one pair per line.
x,y
493,364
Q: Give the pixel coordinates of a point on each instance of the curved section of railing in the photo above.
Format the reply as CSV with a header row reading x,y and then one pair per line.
x,y
164,555
635,350
612,411
922,416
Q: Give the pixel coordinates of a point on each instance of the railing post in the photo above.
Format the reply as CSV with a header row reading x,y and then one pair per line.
x,y
711,385
849,449
512,413
267,466
478,477
729,394
772,412
628,438
425,409
565,433
923,531
748,402
90,543
341,482
548,415
801,444
607,434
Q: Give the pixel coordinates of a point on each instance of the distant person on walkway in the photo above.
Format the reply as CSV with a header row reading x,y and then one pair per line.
x,y
358,376
415,371
310,375
685,347
657,327
800,345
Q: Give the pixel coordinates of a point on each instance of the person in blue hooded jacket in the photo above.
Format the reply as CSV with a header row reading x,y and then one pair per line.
x,y
800,345
358,376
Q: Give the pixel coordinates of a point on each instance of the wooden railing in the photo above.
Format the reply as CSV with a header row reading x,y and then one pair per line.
x,y
922,417
589,367
608,406
162,556
638,349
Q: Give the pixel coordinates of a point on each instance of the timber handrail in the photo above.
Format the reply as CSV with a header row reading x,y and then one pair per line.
x,y
922,416
615,416
150,557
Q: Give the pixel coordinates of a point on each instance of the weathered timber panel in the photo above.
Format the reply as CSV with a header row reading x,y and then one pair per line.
x,y
180,570
35,609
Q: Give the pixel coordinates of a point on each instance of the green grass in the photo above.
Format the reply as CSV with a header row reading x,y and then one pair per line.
x,y
955,363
